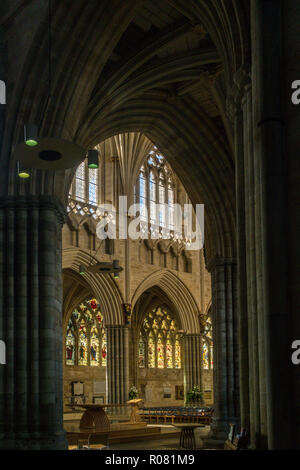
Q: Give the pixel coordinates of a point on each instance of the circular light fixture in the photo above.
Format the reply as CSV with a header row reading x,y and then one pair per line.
x,y
22,173
30,135
93,160
49,154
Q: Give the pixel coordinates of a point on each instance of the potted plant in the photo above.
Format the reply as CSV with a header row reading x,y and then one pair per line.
x,y
194,396
133,392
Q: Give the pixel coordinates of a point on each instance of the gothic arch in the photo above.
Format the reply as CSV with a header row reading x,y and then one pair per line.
x,y
178,294
102,285
138,106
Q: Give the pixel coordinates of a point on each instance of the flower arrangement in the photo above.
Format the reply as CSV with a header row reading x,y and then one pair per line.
x,y
133,392
194,396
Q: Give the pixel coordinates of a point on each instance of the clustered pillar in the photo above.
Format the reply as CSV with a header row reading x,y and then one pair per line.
x,y
257,115
31,413
117,382
225,337
192,361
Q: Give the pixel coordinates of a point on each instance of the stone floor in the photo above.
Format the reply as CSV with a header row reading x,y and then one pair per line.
x,y
168,443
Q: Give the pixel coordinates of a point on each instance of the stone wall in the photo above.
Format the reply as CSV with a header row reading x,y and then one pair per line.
x,y
155,384
87,375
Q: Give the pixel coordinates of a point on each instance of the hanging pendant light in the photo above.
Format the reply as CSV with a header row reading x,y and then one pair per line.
x,y
22,172
116,268
47,153
30,135
81,269
93,160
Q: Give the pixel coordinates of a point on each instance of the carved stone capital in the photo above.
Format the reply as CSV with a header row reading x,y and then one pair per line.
x,y
241,84
219,261
41,202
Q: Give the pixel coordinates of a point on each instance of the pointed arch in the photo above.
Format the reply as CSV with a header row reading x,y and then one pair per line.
x,y
103,286
178,294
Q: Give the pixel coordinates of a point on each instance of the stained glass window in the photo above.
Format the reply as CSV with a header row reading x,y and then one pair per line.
x,y
160,352
103,349
169,353
205,356
82,347
177,354
151,352
160,339
141,352
86,334
95,357
70,345
207,343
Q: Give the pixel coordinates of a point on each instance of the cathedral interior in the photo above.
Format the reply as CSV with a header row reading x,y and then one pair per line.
x,y
166,104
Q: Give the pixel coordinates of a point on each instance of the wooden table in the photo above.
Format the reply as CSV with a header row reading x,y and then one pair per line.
x,y
187,436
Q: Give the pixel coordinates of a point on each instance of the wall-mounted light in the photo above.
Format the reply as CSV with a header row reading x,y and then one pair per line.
x,y
93,159
30,135
82,269
22,172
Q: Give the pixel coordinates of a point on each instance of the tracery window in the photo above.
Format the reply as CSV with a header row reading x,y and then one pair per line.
x,y
160,341
85,336
156,185
207,344
85,185
143,193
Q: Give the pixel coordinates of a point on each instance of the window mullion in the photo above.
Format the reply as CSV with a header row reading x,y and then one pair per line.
x,y
87,181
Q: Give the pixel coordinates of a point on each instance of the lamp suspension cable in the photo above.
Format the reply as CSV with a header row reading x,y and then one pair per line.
x,y
49,50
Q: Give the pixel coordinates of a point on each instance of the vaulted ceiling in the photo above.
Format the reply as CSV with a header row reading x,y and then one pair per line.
x,y
160,67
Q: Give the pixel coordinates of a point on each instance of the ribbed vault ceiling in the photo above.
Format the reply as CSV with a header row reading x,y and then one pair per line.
x,y
162,68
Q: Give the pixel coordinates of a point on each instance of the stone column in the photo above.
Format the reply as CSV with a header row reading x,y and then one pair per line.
x,y
192,361
237,117
291,13
31,398
117,369
270,159
226,378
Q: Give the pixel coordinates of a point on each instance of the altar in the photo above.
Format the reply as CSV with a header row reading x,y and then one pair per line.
x,y
94,427
95,417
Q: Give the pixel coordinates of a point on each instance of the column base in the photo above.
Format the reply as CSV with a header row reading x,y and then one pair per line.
x,y
56,442
220,428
